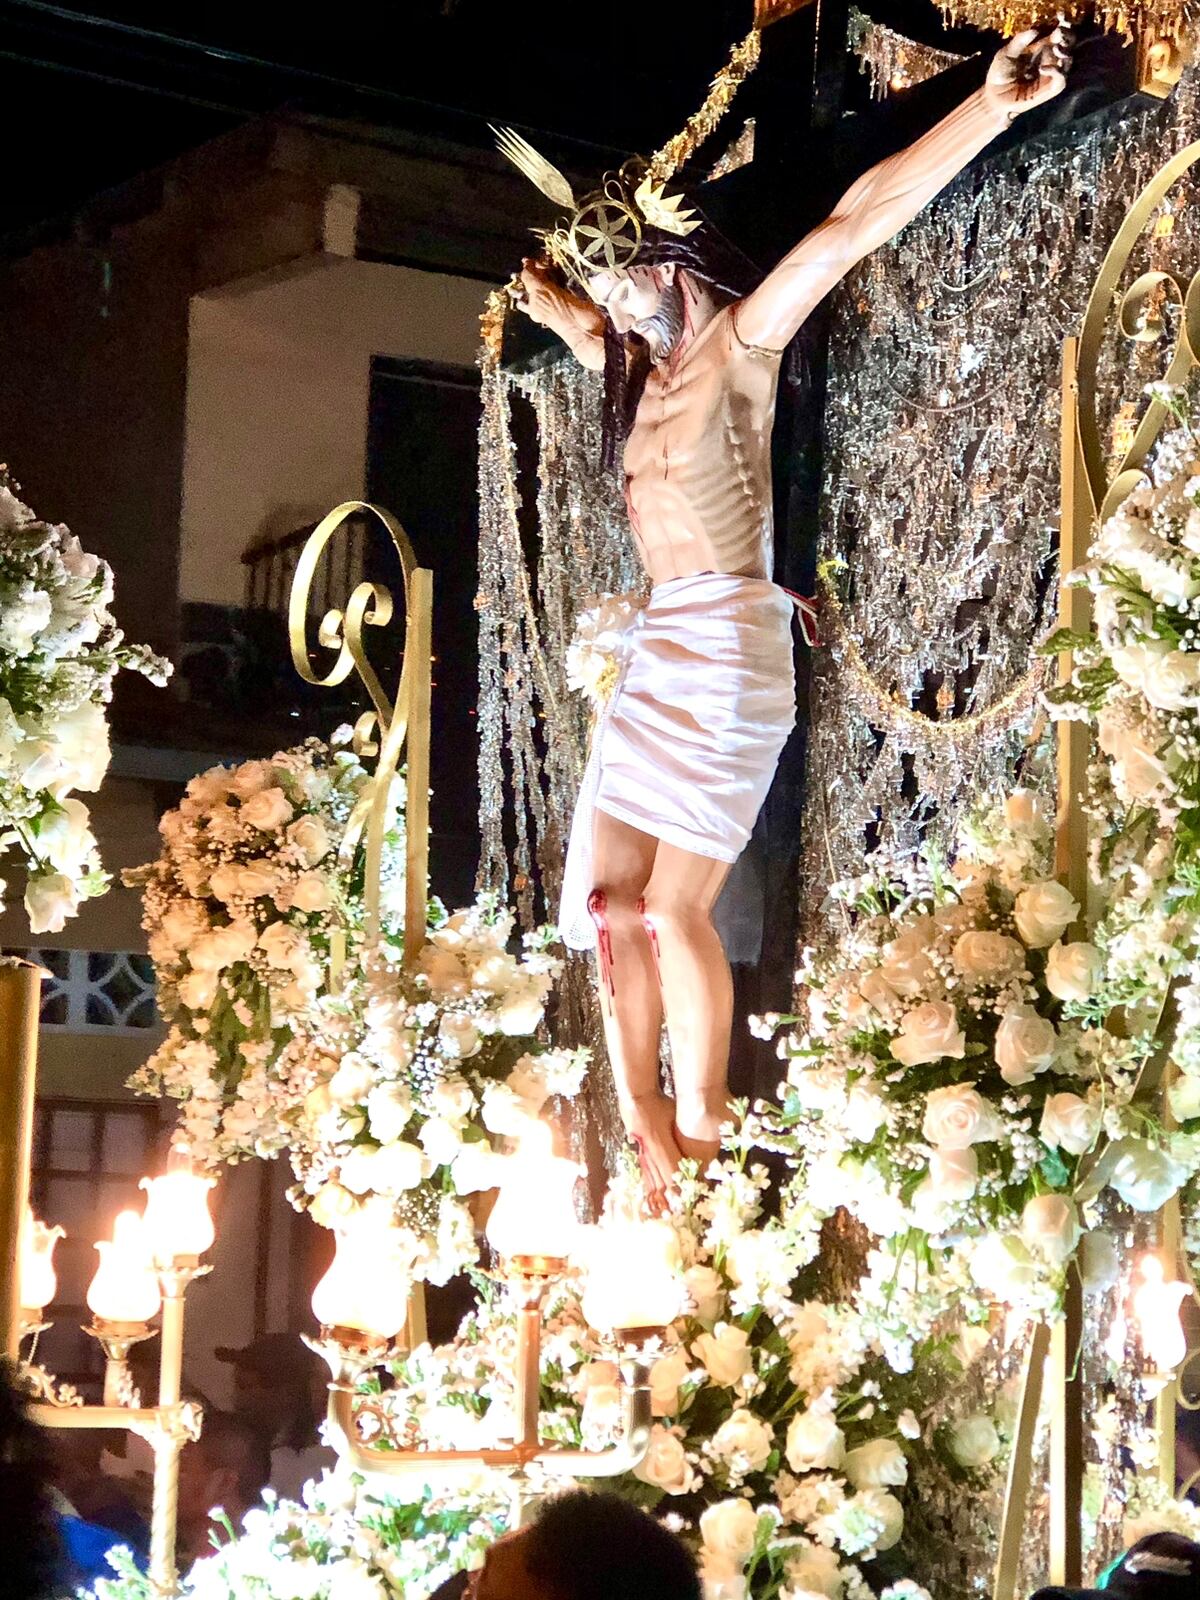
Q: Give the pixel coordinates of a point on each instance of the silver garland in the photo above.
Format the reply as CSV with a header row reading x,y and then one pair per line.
x,y
940,504
533,731
890,59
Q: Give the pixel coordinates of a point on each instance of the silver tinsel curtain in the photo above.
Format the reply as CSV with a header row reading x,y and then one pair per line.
x,y
940,505
533,731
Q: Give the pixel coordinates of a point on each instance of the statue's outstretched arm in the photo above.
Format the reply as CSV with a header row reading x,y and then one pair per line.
x,y
1029,70
576,321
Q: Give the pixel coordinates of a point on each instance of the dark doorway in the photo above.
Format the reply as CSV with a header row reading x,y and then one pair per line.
x,y
421,456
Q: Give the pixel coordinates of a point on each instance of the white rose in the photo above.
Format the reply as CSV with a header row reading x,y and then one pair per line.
x,y
248,779
441,1141
730,1529
726,1354
222,947
1070,1123
387,1169
928,1033
707,1292
1002,1266
50,898
1144,1176
1099,1265
878,992
985,957
666,1374
526,1080
1073,970
283,945
879,1503
353,1080
953,1176
814,1573
665,1464
452,1099
743,1441
82,737
267,810
182,922
814,1440
974,1441
865,1112
389,1110
520,1012
310,837
64,838
310,892
906,966
1026,1044
198,990
957,1116
504,1112
1044,912
223,880
1184,1096
878,1464
444,971
1138,769
1050,1225
477,1168
331,1205
458,1036
1172,681
1131,662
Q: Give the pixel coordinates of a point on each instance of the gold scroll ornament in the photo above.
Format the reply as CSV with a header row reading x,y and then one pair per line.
x,y
1092,490
383,732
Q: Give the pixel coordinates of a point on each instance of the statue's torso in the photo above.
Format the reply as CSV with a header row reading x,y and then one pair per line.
x,y
698,459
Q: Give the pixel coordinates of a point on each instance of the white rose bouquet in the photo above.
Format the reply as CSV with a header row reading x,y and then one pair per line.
x,y
243,910
951,1081
393,1086
596,653
60,650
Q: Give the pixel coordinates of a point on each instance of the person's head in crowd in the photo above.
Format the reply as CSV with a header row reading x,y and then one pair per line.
x,y
227,1469
79,1470
1162,1566
32,1548
587,1546
279,1386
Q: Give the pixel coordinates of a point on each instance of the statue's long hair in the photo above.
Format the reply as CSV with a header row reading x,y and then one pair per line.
x,y
707,255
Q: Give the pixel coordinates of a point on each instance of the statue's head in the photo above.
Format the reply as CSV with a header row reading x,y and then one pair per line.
x,y
644,302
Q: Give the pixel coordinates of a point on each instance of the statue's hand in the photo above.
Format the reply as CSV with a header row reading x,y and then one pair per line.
x,y
1030,69
539,295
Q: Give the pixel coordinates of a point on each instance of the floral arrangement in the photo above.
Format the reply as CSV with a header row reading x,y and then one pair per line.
x,y
60,650
1136,676
382,1085
596,654
394,1085
780,1445
243,910
340,1543
952,1086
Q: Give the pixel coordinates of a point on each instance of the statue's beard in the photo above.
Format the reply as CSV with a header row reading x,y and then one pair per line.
x,y
663,329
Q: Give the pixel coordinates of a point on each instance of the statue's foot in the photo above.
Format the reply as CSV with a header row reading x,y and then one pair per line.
x,y
650,1124
697,1130
701,1151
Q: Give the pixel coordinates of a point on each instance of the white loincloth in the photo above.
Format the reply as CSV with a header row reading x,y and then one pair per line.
x,y
687,745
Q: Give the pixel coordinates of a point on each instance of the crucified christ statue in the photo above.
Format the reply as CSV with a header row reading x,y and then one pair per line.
x,y
685,750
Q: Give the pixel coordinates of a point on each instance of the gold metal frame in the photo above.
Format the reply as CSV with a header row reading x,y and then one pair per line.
x,y
1091,492
383,732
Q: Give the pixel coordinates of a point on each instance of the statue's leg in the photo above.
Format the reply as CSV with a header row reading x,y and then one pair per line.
x,y
630,996
697,991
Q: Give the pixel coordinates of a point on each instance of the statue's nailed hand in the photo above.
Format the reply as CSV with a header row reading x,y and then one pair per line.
x,y
536,291
1030,69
